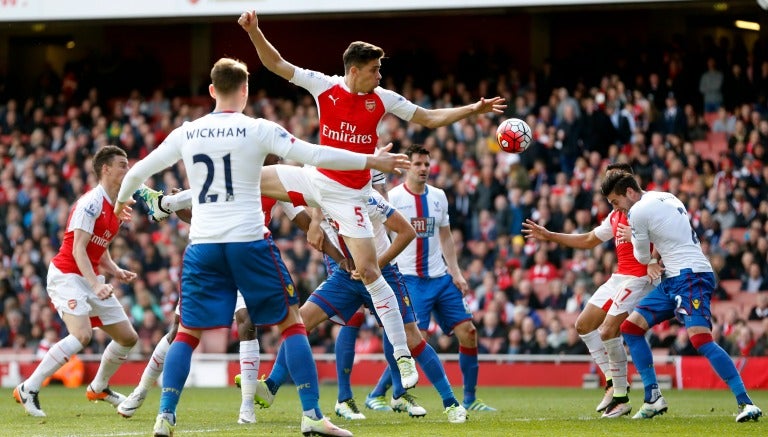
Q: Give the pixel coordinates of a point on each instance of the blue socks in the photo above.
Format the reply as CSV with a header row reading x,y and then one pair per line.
x,y
469,370
724,367
432,367
177,364
301,365
345,356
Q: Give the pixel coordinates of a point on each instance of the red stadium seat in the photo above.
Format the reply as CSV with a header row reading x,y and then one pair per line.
x,y
731,286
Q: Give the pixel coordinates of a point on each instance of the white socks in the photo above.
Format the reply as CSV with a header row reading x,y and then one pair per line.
x,y
598,352
154,366
388,310
617,360
56,357
249,372
114,355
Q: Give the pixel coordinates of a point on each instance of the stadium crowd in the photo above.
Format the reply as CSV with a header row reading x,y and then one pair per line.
x,y
525,295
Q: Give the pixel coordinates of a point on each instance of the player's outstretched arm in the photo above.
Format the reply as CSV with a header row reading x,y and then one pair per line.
x,y
532,229
268,54
398,224
433,118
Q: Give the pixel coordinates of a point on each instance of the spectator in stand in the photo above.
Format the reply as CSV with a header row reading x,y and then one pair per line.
x,y
711,86
682,345
754,279
743,342
514,341
760,348
542,270
491,335
760,310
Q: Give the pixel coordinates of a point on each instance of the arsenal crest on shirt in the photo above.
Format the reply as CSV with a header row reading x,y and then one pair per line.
x,y
370,105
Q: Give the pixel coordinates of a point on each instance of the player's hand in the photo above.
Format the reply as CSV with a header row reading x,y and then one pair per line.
x,y
624,233
315,236
248,21
655,271
125,275
354,274
123,210
347,264
495,105
103,291
460,283
532,229
387,162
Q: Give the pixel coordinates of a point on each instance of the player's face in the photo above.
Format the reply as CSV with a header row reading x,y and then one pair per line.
x,y
419,171
115,172
619,203
368,76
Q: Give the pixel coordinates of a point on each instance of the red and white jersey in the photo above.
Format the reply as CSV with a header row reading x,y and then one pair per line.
x,y
626,262
92,213
350,121
427,213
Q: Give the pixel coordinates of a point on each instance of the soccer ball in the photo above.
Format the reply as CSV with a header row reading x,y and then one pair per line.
x,y
514,135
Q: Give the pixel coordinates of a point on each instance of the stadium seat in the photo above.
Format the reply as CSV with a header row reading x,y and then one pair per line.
x,y
731,286
737,234
710,118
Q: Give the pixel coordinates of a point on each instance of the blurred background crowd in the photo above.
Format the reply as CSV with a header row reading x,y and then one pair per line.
x,y
692,122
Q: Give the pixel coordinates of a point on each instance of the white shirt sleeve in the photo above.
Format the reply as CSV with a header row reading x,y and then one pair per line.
x,y
604,231
641,239
286,145
179,201
166,154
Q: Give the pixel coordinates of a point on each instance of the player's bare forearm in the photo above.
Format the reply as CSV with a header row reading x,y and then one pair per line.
x,y
534,230
268,54
433,118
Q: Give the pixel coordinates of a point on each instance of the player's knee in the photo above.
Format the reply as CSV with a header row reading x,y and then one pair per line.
x,y
609,331
83,336
630,328
246,331
129,339
368,273
467,334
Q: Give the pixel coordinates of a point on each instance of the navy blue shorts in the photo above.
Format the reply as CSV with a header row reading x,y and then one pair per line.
x,y
213,272
686,297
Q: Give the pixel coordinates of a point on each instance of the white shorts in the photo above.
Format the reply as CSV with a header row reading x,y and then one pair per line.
x,y
347,206
621,293
71,294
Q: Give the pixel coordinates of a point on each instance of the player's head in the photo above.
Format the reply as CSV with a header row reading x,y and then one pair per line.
x,y
419,171
621,189
229,77
362,63
110,161
620,166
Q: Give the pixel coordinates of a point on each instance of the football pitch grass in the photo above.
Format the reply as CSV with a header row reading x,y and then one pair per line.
x,y
522,412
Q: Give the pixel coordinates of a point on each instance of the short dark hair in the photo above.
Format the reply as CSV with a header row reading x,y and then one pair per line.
x,y
227,75
618,182
104,156
620,166
360,53
416,149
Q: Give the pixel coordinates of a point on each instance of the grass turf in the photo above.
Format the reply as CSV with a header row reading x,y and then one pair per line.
x,y
522,411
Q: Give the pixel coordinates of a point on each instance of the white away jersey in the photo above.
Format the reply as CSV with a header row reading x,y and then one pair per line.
x,y
350,121
427,213
379,211
223,154
661,219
